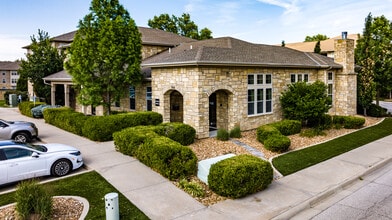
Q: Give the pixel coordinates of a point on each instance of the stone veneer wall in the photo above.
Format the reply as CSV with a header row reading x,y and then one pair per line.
x,y
345,80
150,50
196,84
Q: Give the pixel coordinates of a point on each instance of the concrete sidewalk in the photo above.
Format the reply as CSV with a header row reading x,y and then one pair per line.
x,y
158,198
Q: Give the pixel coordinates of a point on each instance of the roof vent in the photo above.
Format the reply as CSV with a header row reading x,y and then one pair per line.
x,y
344,35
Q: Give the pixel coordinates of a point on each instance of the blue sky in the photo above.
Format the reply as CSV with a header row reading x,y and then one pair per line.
x,y
257,21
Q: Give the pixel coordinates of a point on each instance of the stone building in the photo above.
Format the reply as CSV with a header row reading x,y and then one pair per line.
x,y
225,82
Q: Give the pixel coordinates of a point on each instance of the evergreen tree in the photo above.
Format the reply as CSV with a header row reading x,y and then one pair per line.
x,y
105,55
317,48
43,60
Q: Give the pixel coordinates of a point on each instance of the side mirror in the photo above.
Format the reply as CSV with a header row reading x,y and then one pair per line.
x,y
35,155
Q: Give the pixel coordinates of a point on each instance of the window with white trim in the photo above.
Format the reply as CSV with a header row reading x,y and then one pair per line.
x,y
330,77
299,78
259,94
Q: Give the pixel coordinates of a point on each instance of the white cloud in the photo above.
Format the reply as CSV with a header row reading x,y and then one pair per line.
x,y
11,47
290,6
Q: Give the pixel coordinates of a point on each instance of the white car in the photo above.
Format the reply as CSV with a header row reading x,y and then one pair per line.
x,y
19,161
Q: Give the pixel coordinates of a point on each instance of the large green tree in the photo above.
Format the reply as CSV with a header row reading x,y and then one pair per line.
x,y
318,37
43,60
105,56
374,55
183,26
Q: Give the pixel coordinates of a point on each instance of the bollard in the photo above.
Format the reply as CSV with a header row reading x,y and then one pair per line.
x,y
111,205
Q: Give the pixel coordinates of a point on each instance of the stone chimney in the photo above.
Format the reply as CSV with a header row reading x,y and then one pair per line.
x,y
345,79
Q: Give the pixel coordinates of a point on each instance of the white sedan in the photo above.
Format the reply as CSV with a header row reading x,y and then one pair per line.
x,y
19,161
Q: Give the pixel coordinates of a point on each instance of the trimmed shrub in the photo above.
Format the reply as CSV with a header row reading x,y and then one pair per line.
x,y
25,107
180,132
376,111
168,157
239,176
264,131
277,143
101,128
222,134
31,198
128,140
322,123
235,132
66,119
288,127
352,122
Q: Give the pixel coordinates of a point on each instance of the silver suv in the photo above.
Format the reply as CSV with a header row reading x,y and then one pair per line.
x,y
20,131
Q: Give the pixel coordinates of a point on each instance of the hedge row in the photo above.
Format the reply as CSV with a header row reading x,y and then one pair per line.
x,y
98,128
25,107
160,147
239,176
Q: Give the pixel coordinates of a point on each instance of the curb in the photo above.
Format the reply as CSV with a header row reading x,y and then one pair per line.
x,y
309,203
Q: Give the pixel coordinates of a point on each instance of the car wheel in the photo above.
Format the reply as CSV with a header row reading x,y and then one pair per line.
x,y
61,167
22,137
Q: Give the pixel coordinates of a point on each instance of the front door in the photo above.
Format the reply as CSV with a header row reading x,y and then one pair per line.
x,y
212,111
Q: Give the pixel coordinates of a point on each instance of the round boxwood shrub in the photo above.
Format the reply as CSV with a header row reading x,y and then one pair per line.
x,y
168,157
277,143
239,176
288,127
264,131
128,140
352,122
180,132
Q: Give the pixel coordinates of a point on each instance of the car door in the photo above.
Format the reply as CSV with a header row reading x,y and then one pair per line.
x,y
3,168
20,164
5,131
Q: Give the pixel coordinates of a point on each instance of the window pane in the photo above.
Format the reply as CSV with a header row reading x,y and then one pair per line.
x,y
268,79
251,108
251,79
268,94
330,86
260,107
259,79
330,76
292,78
131,92
251,95
299,78
260,95
268,106
306,78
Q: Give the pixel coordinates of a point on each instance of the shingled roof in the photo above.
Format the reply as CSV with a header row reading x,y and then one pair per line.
x,y
8,65
234,52
150,36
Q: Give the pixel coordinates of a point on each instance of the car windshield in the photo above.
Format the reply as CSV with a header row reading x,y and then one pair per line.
x,y
36,147
8,122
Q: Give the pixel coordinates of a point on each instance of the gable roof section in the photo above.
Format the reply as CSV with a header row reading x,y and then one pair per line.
x,y
234,52
62,76
8,65
325,45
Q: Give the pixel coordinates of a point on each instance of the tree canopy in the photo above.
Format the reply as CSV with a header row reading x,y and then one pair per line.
x,y
105,56
43,60
318,37
317,47
183,26
373,54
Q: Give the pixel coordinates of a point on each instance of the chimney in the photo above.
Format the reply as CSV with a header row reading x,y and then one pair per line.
x,y
344,35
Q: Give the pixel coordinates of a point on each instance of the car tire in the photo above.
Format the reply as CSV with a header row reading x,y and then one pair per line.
x,y
61,167
21,137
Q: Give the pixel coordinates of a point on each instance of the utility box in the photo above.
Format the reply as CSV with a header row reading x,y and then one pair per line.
x,y
13,100
111,206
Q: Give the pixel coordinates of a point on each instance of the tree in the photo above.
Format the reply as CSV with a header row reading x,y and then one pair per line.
x,y
318,37
105,55
365,74
283,43
374,54
305,102
317,48
183,26
43,60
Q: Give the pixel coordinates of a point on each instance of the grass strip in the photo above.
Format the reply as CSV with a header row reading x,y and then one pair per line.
x,y
91,186
297,160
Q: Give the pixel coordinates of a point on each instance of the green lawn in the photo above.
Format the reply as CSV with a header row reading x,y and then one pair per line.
x,y
91,186
301,159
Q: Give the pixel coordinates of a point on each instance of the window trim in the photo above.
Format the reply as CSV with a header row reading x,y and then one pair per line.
x,y
255,98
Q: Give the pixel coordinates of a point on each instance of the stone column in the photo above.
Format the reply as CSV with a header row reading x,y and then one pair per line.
x,y
66,95
346,79
53,94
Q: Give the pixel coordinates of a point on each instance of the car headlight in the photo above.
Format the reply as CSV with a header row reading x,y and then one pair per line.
x,y
77,153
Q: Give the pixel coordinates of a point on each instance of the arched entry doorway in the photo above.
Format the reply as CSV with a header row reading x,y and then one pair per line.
x,y
218,110
176,107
